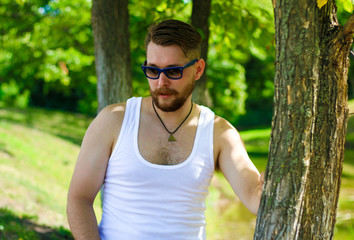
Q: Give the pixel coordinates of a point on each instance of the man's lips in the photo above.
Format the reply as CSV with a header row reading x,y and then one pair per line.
x,y
164,95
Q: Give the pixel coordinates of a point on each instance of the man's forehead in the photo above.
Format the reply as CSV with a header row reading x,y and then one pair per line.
x,y
165,56
173,48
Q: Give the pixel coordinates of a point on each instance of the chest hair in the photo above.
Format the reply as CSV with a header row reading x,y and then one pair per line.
x,y
158,150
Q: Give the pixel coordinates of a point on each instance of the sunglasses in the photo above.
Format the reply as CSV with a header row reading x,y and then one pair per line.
x,y
170,72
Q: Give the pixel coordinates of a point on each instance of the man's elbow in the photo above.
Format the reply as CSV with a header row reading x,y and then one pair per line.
x,y
255,202
254,209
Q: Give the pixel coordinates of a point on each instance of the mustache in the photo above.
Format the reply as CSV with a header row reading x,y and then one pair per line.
x,y
165,91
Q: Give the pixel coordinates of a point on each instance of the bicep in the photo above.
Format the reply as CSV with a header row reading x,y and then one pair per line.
x,y
92,161
237,167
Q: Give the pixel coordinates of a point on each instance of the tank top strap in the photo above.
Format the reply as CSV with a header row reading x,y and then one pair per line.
x,y
130,121
206,132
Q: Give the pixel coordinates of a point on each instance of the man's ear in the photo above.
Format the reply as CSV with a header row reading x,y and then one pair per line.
x,y
200,69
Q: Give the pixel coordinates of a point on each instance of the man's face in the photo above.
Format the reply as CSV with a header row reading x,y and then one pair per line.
x,y
168,94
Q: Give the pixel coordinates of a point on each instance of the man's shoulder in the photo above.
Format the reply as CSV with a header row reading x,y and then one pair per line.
x,y
115,112
224,130
221,124
114,109
112,115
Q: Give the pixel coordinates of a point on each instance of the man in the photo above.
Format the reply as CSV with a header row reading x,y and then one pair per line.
x,y
156,155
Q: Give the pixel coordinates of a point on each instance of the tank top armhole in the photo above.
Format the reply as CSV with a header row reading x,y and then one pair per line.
x,y
209,117
123,128
211,139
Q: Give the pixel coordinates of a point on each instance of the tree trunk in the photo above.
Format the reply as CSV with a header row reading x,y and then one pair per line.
x,y
306,155
200,20
110,23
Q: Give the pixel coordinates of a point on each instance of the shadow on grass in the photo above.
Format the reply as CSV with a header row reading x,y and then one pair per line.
x,y
254,154
24,227
68,126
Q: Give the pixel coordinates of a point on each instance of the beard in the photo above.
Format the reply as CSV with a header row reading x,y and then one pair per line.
x,y
177,102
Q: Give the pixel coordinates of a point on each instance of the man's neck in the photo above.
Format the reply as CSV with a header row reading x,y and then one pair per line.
x,y
174,118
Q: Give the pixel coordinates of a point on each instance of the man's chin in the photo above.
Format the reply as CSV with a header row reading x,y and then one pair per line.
x,y
168,106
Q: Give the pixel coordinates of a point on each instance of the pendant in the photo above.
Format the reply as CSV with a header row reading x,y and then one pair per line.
x,y
172,138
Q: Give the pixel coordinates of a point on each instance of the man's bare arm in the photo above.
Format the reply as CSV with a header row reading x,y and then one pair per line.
x,y
236,166
89,173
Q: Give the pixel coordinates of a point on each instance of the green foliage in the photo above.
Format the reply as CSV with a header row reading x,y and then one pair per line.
x,y
47,54
10,95
241,46
344,11
47,49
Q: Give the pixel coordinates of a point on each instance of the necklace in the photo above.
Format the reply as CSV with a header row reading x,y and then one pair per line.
x,y
171,138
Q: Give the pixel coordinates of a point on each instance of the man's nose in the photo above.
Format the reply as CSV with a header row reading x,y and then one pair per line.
x,y
163,80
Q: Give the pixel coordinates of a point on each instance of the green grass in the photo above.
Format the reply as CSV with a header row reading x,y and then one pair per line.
x,y
14,226
38,150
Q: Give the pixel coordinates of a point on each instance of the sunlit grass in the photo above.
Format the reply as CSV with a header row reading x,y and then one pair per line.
x,y
38,150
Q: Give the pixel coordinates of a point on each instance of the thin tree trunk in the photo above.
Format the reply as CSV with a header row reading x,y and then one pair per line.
x,y
200,20
306,155
110,23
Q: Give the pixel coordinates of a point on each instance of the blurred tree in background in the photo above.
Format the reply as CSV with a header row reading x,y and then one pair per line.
x,y
110,25
47,54
200,20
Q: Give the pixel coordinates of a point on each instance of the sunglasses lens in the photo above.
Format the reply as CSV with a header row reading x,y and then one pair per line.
x,y
151,72
174,73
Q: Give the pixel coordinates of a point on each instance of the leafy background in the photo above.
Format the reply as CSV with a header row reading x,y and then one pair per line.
x,y
48,98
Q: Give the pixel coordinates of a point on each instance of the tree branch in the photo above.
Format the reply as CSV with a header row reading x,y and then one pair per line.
x,y
348,28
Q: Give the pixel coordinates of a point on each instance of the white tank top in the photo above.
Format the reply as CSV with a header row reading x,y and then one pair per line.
x,y
144,201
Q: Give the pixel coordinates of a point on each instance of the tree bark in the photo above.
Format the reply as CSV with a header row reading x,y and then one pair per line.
x,y
200,20
110,23
306,153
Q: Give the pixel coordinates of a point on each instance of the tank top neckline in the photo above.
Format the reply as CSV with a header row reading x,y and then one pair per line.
x,y
160,166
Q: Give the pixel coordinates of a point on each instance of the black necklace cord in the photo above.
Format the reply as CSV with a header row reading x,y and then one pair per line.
x,y
171,133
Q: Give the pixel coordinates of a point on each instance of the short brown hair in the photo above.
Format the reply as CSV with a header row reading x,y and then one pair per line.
x,y
175,32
